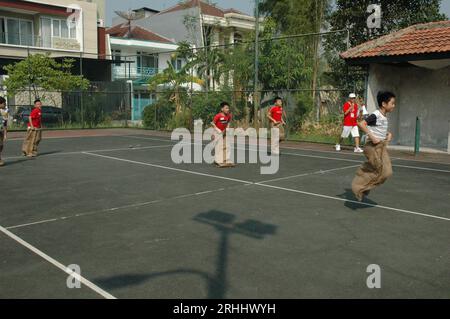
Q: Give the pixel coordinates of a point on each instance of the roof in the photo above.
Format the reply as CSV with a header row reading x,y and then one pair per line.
x,y
427,38
147,9
137,33
206,8
233,10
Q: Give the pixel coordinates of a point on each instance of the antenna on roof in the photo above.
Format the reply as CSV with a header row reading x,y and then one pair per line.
x,y
130,15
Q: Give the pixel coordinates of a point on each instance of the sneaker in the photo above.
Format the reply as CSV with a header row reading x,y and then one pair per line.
x,y
2,163
358,150
338,147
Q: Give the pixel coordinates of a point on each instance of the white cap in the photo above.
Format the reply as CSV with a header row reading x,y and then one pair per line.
x,y
352,96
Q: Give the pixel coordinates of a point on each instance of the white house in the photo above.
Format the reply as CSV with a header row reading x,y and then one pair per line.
x,y
139,54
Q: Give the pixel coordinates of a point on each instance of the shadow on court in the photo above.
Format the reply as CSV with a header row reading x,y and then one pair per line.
x,y
350,203
50,153
10,163
217,283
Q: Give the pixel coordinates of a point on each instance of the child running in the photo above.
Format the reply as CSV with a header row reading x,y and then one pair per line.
x,y
34,132
275,116
220,124
378,167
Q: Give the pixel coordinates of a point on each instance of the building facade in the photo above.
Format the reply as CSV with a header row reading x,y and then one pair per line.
x,y
138,54
60,28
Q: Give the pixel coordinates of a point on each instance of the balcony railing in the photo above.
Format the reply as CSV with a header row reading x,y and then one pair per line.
x,y
26,40
125,72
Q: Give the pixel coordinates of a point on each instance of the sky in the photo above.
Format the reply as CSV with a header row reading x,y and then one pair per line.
x,y
246,6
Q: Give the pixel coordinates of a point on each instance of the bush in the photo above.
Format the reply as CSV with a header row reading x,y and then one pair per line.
x,y
206,105
180,120
156,116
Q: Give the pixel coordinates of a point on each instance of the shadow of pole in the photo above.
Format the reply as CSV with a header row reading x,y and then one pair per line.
x,y
225,226
217,284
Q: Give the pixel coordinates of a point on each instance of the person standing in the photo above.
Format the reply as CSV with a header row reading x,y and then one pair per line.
x,y
3,126
350,123
34,131
220,123
275,116
378,167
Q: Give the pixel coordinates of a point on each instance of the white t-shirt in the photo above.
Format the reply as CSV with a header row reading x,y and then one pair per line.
x,y
378,124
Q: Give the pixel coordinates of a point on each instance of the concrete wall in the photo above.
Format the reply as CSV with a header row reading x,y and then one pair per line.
x,y
171,26
420,92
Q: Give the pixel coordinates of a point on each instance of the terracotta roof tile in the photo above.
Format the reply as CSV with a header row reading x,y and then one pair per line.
x,y
206,8
418,39
137,33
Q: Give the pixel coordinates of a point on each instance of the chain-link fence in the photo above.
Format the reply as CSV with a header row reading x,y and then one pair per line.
x,y
167,89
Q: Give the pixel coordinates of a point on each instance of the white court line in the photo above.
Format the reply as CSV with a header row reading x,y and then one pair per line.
x,y
290,154
355,161
169,168
353,154
321,157
269,186
307,174
114,209
422,168
54,262
101,150
353,201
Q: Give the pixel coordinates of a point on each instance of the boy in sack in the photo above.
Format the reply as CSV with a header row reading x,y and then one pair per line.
x,y
378,167
34,132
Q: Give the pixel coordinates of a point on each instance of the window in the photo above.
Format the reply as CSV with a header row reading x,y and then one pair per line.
x,y
237,38
2,30
64,30
46,32
13,31
26,33
146,60
56,28
16,31
177,64
116,56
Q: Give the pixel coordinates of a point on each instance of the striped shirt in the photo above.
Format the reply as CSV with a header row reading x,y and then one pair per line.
x,y
378,125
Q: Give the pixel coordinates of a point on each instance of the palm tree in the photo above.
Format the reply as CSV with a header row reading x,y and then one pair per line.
x,y
174,81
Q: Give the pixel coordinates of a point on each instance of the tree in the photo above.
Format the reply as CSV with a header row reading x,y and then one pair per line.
x,y
282,62
300,17
296,16
174,82
43,74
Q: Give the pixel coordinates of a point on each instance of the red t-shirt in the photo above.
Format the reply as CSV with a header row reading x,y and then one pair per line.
x,y
221,121
276,112
36,117
351,119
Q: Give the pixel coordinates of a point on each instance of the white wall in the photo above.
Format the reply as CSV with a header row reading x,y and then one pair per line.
x,y
420,92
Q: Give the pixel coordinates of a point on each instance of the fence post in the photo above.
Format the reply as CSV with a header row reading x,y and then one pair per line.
x,y
256,79
81,92
29,77
417,137
448,143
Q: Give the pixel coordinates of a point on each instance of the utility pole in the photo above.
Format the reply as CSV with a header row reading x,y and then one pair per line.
x,y
256,80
